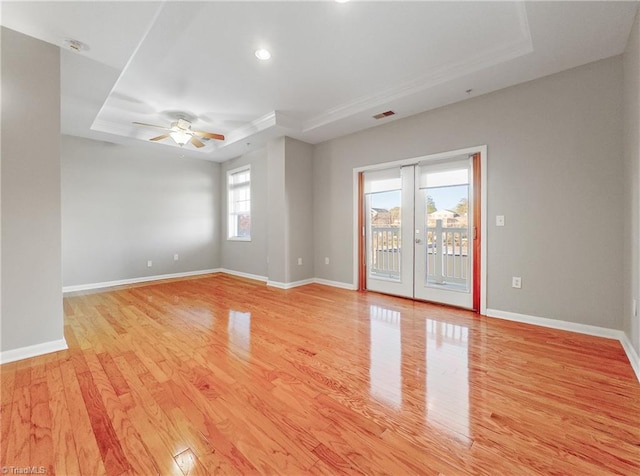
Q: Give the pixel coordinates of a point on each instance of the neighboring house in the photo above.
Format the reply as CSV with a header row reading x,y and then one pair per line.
x,y
449,218
380,217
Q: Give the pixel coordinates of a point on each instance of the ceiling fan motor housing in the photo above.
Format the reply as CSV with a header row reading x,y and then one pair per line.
x,y
183,124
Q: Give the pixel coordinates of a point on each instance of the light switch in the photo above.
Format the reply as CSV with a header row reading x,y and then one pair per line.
x,y
499,220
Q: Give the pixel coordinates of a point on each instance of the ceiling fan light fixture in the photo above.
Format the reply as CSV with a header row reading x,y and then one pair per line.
x,y
181,133
263,54
180,137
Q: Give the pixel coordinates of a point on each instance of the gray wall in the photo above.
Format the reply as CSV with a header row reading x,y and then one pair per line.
x,y
31,257
282,221
299,206
554,171
276,197
124,205
631,280
247,256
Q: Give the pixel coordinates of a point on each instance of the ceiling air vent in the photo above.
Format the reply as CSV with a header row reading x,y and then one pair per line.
x,y
384,114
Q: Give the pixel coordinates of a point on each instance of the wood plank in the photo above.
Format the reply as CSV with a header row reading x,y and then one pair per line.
x,y
87,450
190,464
65,459
133,448
113,457
75,352
118,382
40,438
204,415
158,435
17,445
5,426
333,461
7,382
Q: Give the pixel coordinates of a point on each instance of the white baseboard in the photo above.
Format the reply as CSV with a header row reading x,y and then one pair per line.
x,y
304,282
256,277
335,284
293,284
631,354
557,324
574,327
32,351
143,279
240,274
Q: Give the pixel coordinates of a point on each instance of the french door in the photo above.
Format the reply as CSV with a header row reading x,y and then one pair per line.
x,y
420,230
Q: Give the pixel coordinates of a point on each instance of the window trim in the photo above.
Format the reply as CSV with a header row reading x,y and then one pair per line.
x,y
228,211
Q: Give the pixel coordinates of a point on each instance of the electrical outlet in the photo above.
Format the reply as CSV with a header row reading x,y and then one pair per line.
x,y
175,257
516,282
149,264
499,220
299,261
326,260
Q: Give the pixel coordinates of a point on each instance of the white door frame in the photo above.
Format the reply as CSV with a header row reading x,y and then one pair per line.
x,y
482,150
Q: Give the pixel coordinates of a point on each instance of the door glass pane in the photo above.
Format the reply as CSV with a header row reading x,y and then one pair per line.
x,y
447,229
385,240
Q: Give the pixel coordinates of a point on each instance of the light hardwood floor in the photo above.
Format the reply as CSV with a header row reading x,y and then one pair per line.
x,y
222,375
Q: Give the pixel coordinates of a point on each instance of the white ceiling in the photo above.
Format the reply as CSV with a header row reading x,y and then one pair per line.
x,y
333,66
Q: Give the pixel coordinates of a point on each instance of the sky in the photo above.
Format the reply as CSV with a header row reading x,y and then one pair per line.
x,y
446,198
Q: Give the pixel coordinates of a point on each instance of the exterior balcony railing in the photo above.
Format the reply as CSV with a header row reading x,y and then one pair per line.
x,y
385,252
447,254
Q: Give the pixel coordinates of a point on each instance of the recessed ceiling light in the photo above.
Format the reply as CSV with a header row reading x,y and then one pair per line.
x,y
263,54
342,1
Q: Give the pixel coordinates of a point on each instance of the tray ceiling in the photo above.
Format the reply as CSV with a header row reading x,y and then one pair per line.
x,y
333,65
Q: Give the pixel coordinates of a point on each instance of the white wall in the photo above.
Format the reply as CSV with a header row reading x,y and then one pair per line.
x,y
31,257
631,281
555,171
124,205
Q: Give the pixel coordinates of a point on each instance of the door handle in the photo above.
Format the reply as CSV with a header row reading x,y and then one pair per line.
x,y
418,241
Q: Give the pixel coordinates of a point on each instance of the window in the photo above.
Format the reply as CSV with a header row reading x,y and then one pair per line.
x,y
239,204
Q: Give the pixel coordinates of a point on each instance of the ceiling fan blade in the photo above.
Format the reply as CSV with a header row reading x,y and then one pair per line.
x,y
150,125
163,136
209,135
196,142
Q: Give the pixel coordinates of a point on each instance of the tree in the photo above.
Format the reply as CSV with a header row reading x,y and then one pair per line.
x,y
462,208
431,205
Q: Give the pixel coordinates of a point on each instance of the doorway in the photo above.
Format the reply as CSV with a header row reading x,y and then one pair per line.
x,y
421,229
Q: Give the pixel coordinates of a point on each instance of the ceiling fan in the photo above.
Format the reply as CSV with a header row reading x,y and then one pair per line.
x,y
181,132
